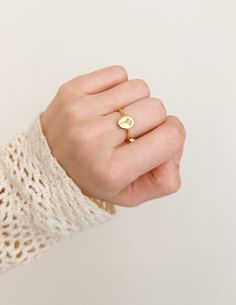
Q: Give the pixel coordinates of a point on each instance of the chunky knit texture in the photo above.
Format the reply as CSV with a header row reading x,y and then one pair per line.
x,y
39,203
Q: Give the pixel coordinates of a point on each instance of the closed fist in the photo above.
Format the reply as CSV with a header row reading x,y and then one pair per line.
x,y
81,128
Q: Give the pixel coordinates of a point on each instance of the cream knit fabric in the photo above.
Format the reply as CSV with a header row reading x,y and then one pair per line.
x,y
39,202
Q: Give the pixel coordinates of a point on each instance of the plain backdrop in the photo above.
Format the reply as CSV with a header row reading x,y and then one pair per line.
x,y
178,250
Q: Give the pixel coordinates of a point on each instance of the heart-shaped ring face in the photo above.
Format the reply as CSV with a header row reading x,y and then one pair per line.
x,y
126,122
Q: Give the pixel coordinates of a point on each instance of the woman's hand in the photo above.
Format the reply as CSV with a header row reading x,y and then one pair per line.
x,y
80,125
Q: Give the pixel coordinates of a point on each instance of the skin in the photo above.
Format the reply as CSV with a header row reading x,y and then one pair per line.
x,y
80,125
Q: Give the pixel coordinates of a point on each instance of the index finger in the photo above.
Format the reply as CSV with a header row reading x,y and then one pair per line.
x,y
99,80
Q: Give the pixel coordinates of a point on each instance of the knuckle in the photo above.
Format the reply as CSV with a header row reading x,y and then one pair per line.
x,y
159,108
179,125
162,108
74,112
65,87
172,185
66,91
120,70
142,85
176,132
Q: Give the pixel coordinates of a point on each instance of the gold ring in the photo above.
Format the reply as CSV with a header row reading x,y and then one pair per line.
x,y
126,122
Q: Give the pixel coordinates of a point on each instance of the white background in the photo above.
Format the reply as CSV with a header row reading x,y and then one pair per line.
x,y
178,250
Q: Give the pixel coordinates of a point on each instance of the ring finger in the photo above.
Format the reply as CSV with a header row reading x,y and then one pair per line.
x,y
148,113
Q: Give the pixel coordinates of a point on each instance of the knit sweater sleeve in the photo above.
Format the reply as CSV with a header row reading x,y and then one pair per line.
x,y
39,203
